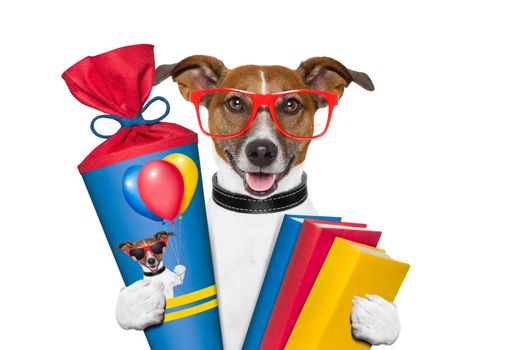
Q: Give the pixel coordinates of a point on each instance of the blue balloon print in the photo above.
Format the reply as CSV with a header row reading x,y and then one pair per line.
x,y
130,189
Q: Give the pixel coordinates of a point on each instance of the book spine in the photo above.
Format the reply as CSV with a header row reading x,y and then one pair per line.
x,y
323,300
275,273
287,305
271,284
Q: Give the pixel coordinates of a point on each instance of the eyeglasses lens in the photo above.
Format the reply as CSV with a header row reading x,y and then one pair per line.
x,y
158,247
224,112
303,114
137,253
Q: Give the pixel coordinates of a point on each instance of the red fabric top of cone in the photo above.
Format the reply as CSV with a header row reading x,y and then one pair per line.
x,y
136,141
118,83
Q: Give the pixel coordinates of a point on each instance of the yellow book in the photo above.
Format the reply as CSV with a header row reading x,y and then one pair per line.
x,y
349,269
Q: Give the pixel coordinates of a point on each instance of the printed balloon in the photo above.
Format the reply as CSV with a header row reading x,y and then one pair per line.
x,y
161,187
130,189
190,175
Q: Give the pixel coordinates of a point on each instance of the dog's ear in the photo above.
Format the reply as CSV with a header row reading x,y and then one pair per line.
x,y
125,244
193,73
327,74
159,236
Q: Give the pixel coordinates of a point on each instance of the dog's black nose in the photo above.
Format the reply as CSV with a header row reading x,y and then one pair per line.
x,y
261,152
151,261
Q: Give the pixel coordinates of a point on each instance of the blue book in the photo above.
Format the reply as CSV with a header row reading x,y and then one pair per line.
x,y
275,272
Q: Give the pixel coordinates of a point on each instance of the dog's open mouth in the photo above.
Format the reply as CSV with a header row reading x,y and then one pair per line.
x,y
260,184
153,268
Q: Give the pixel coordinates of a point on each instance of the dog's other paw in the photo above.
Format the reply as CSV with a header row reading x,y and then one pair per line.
x,y
375,320
141,305
180,271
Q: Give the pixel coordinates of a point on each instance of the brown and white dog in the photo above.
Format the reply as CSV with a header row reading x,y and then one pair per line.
x,y
257,165
148,253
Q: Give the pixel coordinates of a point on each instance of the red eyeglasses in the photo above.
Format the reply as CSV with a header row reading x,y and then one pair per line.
x,y
299,114
156,248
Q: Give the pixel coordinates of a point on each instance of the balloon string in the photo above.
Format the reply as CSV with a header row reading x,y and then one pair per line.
x,y
174,245
179,227
177,242
170,242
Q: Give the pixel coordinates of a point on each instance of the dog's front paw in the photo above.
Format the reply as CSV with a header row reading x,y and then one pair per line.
x,y
180,272
141,305
375,320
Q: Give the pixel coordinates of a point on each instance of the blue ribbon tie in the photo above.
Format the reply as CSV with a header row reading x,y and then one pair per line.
x,y
129,122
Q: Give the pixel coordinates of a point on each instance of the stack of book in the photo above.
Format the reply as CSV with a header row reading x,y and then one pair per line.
x,y
317,266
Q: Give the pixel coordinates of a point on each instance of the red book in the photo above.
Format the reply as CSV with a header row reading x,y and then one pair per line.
x,y
311,249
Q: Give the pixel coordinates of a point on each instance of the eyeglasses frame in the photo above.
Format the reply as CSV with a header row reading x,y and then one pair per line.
x,y
147,248
267,100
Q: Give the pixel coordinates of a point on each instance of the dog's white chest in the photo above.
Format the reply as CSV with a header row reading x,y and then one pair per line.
x,y
168,279
241,247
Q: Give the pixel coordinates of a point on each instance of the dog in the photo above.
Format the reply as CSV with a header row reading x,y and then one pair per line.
x,y
262,169
148,253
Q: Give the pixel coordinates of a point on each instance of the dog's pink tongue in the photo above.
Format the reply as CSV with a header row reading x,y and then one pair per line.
x,y
260,182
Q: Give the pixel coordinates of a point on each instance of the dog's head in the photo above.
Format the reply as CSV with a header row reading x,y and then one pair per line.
x,y
147,252
262,157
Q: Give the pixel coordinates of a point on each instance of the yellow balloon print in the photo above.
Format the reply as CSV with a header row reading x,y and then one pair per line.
x,y
190,175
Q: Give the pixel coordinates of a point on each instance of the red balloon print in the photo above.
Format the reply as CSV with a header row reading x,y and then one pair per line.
x,y
161,188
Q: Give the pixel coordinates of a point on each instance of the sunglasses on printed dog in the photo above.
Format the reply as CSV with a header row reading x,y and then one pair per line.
x,y
301,114
155,248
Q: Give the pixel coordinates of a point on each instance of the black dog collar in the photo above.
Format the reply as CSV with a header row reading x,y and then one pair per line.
x,y
249,205
158,272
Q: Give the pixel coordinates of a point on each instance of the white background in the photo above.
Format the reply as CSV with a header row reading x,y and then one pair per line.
x,y
434,157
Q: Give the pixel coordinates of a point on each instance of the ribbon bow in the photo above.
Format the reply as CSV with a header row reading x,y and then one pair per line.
x,y
126,122
118,83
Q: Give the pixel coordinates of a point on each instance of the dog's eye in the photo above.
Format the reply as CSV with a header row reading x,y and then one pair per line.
x,y
291,106
235,104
